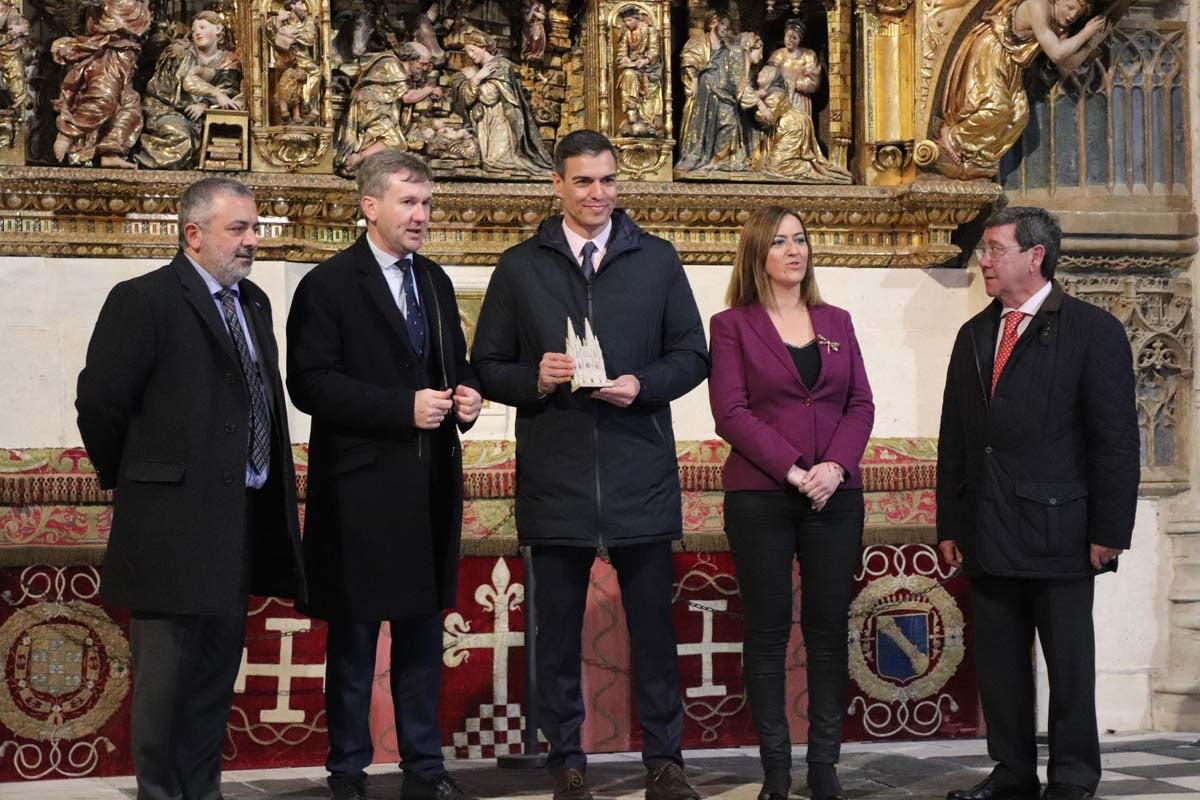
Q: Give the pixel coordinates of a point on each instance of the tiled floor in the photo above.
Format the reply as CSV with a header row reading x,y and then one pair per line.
x,y
1136,767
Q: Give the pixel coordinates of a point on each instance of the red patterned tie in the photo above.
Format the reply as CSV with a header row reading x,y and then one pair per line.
x,y
1008,340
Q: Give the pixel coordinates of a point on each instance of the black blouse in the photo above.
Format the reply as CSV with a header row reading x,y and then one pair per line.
x,y
807,358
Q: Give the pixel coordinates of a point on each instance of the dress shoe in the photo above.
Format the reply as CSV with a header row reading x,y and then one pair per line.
x,y
823,782
443,787
776,784
1065,791
570,784
668,782
347,788
992,789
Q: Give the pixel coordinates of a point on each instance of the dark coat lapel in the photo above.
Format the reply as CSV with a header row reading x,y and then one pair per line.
x,y
256,318
376,287
434,323
195,291
983,336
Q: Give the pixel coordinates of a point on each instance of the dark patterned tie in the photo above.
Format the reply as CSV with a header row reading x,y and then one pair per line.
x,y
414,317
260,419
589,252
1008,340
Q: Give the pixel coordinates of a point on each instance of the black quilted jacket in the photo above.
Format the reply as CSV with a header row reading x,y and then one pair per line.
x,y
1029,478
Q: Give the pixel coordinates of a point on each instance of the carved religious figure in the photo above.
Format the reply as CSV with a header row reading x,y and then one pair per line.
x,y
716,133
490,96
192,75
533,35
985,108
798,66
380,110
295,37
696,53
14,34
99,112
788,147
640,74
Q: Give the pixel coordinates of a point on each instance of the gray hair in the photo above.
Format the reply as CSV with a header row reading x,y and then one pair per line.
x,y
1034,226
377,169
195,204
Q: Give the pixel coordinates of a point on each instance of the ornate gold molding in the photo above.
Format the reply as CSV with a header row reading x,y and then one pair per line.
x,y
60,211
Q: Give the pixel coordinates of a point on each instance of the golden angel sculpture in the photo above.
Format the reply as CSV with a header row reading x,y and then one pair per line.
x,y
192,75
985,108
99,112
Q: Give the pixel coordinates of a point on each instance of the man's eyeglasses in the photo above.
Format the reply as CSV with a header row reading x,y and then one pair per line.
x,y
995,251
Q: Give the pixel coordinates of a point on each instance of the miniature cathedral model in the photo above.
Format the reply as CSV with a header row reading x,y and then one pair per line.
x,y
589,361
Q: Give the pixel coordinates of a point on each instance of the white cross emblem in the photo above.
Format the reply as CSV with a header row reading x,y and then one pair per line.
x,y
283,672
706,648
458,641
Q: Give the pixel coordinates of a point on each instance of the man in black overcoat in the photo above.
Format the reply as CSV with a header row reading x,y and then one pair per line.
x,y
183,415
1037,482
377,356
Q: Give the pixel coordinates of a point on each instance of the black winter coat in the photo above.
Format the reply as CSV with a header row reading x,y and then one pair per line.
x,y
589,473
384,515
164,414
1029,479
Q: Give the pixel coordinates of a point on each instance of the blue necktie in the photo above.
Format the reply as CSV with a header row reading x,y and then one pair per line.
x,y
589,252
414,318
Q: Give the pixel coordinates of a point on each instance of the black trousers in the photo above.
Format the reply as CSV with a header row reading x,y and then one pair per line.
x,y
1007,612
768,533
645,573
416,676
184,668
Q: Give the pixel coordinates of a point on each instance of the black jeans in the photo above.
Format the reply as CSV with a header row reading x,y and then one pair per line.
x,y
768,532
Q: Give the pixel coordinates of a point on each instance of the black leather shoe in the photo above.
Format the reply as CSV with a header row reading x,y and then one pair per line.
x,y
570,784
347,788
1065,791
443,787
823,783
776,785
668,782
991,789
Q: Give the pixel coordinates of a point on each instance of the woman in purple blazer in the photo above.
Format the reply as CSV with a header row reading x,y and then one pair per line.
x,y
789,393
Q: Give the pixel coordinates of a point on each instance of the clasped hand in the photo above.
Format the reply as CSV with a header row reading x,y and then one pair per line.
x,y
818,483
430,406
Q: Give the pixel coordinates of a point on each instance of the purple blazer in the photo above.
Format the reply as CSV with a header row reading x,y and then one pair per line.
x,y
766,413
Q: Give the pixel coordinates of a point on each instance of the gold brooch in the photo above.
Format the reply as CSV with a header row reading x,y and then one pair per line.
x,y
830,345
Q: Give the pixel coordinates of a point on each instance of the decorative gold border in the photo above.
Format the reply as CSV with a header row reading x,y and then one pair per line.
x,y
61,211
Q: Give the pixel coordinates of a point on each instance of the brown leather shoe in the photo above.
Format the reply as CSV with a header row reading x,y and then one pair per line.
x,y
569,784
668,782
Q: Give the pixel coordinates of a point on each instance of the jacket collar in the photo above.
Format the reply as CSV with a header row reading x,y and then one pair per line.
x,y
985,324
625,236
370,277
195,292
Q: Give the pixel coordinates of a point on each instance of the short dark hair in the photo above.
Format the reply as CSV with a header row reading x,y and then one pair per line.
x,y
376,171
195,204
581,143
1033,226
629,11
